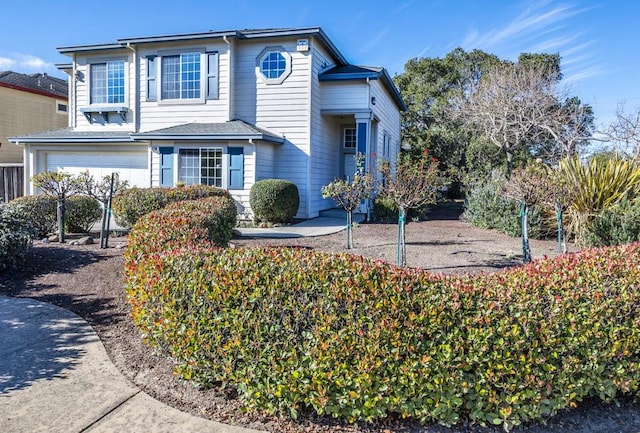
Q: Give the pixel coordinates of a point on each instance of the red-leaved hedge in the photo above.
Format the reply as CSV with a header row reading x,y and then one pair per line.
x,y
349,337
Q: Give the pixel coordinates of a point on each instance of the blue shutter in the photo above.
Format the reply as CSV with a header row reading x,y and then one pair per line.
x,y
152,71
166,166
236,168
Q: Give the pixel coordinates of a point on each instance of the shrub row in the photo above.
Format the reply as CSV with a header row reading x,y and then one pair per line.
x,y
350,337
81,212
16,235
131,204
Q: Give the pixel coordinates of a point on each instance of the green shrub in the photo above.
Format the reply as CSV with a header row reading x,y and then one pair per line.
x,y
16,234
274,200
487,207
131,204
82,212
615,225
208,221
41,210
349,337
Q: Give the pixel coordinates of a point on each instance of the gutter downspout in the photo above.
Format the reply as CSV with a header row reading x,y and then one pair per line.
x,y
230,92
134,92
73,121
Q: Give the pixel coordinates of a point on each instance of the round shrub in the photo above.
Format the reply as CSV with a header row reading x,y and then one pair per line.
x,y
131,204
82,212
274,200
16,235
41,210
349,337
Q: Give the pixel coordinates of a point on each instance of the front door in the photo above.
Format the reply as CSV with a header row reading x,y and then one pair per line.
x,y
348,152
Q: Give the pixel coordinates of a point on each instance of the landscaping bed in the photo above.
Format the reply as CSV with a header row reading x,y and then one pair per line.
x,y
89,281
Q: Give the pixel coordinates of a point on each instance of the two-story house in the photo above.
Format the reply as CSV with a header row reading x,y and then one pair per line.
x,y
223,108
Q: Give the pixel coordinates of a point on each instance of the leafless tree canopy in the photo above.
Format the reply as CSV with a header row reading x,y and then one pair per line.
x,y
625,130
517,105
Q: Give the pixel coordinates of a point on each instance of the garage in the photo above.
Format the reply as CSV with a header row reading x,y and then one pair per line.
x,y
131,166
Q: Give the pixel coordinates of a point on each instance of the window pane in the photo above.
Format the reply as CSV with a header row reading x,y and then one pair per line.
x,y
170,77
350,138
189,166
273,65
211,172
98,83
115,83
191,76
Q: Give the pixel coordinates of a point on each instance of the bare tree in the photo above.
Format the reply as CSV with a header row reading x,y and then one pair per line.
x,y
61,186
520,104
625,130
415,183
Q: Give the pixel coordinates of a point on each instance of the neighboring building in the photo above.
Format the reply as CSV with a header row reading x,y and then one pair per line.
x,y
224,108
28,103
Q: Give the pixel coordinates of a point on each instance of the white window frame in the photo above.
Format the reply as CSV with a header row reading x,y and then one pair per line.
x,y
189,146
126,81
58,104
159,78
264,53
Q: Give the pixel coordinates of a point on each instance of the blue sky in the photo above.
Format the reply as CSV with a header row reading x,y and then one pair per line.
x,y
598,40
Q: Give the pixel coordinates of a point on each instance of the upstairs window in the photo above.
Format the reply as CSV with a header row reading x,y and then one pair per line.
x,y
189,77
107,82
273,65
181,77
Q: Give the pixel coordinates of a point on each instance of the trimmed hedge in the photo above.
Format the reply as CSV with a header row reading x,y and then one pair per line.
x,y
349,337
209,221
131,204
274,200
16,235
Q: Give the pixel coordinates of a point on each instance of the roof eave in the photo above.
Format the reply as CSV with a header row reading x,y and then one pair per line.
x,y
31,140
84,48
178,37
196,136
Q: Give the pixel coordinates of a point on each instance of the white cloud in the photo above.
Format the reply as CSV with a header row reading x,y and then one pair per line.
x,y
19,62
7,63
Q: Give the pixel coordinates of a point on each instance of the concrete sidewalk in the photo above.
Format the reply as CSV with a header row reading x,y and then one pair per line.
x,y
329,222
55,376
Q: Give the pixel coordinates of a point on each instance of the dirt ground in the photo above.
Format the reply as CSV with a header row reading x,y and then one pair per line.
x,y
89,282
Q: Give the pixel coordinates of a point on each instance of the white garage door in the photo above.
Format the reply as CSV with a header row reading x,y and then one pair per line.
x,y
131,166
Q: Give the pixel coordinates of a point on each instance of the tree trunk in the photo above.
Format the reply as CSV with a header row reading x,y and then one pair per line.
x,y
402,244
60,215
562,241
349,232
509,162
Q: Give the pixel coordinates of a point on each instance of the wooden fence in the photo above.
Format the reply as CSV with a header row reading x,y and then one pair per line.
x,y
11,181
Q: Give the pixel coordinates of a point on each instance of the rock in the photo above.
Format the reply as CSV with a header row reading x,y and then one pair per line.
x,y
87,240
74,243
53,238
46,241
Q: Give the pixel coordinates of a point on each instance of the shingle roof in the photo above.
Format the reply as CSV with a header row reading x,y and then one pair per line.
x,y
69,135
39,83
234,129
